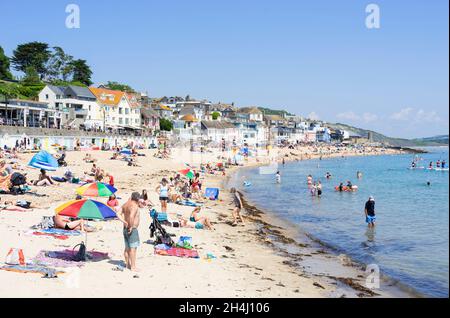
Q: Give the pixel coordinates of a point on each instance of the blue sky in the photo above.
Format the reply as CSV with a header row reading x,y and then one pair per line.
x,y
313,58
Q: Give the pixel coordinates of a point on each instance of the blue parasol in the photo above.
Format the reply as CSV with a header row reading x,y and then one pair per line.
x,y
44,160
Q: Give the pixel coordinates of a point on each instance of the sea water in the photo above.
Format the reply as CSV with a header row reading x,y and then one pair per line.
x,y
411,240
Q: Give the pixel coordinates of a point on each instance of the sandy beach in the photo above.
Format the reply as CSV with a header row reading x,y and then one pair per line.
x,y
251,261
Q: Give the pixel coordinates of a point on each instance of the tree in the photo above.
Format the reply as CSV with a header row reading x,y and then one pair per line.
x,y
35,54
120,87
4,66
215,115
81,72
165,124
31,76
59,65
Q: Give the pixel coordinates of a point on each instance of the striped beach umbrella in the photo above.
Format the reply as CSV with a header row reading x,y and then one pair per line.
x,y
97,189
85,209
188,173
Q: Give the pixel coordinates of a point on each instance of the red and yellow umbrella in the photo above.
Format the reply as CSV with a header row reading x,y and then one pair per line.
x,y
85,209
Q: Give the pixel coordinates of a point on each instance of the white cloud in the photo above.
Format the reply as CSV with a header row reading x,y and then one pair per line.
x,y
430,117
348,116
313,116
369,117
403,114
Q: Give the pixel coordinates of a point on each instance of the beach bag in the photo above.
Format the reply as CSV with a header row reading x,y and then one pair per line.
x,y
18,179
15,257
212,193
23,204
80,256
185,242
46,223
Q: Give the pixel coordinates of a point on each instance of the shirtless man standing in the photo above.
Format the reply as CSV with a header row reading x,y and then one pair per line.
x,y
129,215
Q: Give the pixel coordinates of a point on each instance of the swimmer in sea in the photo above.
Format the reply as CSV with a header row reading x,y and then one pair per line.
x,y
309,180
341,187
278,177
359,174
438,164
443,164
319,189
431,165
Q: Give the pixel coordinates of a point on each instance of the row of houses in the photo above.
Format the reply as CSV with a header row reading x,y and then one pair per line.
x,y
112,111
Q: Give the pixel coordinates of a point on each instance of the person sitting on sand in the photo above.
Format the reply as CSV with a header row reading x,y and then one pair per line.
x,y
237,207
112,202
88,158
43,180
200,219
94,170
62,222
145,198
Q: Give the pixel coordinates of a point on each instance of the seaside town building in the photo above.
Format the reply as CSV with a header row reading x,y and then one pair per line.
x,y
73,105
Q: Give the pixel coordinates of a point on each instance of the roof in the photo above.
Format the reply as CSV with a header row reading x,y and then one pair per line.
x,y
107,96
58,90
80,91
187,110
133,100
250,110
274,117
214,124
149,112
188,118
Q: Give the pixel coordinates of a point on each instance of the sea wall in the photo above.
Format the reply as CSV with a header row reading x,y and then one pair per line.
x,y
45,137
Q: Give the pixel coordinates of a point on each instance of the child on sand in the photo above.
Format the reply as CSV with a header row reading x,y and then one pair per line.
x,y
237,207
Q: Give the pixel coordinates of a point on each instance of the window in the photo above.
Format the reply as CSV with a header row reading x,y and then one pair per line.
x,y
46,96
120,110
120,121
136,121
127,111
127,121
89,107
89,117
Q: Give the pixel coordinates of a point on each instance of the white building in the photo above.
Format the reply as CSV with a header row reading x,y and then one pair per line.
x,y
73,105
120,110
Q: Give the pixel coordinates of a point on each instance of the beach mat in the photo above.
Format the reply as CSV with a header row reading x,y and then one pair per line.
x,y
189,203
178,252
55,233
30,269
65,258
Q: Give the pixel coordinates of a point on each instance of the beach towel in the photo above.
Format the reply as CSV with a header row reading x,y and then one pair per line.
x,y
31,269
212,193
189,203
56,236
177,251
65,258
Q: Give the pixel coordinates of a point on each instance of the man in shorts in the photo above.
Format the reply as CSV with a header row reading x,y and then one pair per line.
x,y
129,215
369,210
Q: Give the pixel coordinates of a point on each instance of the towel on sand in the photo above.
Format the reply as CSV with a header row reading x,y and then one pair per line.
x,y
176,251
65,258
55,233
30,269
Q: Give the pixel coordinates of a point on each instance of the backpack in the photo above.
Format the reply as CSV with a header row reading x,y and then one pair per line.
x,y
18,179
80,256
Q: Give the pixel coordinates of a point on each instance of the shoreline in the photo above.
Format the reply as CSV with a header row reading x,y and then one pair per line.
x,y
246,265
284,231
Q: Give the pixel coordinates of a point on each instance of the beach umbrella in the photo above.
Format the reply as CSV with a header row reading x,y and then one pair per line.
x,y
98,189
85,209
188,173
44,160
